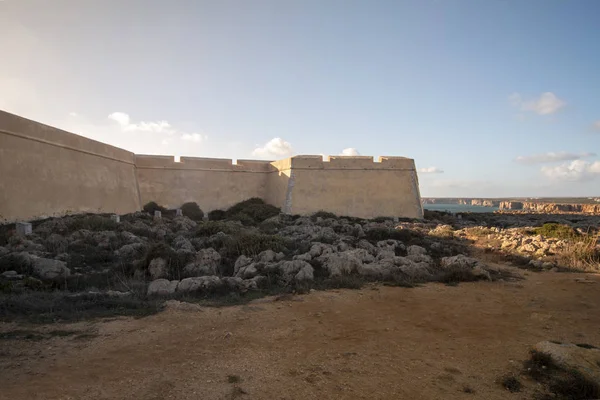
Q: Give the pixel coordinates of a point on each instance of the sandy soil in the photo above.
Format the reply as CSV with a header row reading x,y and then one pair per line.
x,y
429,342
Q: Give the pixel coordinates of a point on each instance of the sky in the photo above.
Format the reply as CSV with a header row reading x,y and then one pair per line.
x,y
495,98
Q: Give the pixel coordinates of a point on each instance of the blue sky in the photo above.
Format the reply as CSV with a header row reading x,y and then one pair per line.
x,y
502,96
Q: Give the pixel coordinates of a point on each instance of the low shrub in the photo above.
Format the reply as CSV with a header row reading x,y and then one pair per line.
x,y
216,215
406,236
323,214
210,228
153,206
192,211
251,244
554,230
48,307
582,255
91,223
176,261
511,383
251,211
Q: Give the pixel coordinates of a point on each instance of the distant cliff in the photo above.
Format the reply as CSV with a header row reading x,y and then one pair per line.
x,y
550,208
463,201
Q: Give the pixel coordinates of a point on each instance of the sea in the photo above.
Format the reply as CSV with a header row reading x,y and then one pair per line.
x,y
459,208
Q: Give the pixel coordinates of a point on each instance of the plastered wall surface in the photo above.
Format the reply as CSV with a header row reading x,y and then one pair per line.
x,y
212,183
48,172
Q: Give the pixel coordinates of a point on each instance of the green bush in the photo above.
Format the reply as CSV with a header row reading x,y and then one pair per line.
x,y
217,215
252,211
323,214
406,236
91,223
152,206
210,228
192,211
251,244
554,230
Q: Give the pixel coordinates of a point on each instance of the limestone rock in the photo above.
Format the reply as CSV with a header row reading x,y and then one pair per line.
x,y
248,271
570,356
162,287
49,270
270,256
201,283
129,237
306,273
463,262
303,257
291,268
11,276
158,268
182,223
364,244
241,261
131,251
181,243
341,264
320,249
415,250
207,263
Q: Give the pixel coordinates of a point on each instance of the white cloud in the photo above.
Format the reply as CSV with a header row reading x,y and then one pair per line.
x,y
274,148
552,157
192,137
73,114
548,103
125,122
577,170
350,151
430,170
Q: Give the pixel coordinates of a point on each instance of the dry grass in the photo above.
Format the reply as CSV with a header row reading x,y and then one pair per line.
x,y
582,255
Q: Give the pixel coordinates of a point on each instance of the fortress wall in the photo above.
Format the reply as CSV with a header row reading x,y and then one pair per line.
x,y
354,186
45,171
210,182
48,172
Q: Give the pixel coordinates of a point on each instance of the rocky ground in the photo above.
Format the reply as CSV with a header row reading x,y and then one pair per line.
x,y
80,268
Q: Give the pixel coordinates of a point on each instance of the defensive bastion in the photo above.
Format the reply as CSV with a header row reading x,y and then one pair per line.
x,y
45,172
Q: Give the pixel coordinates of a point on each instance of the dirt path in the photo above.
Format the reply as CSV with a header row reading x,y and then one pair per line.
x,y
377,343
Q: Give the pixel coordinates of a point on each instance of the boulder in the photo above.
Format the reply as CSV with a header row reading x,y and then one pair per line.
x,y
270,256
129,237
390,245
362,254
49,270
303,257
131,251
364,244
415,250
158,268
207,263
241,261
320,249
201,283
162,287
248,271
291,268
183,223
306,273
11,276
462,262
341,264
583,359
181,243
